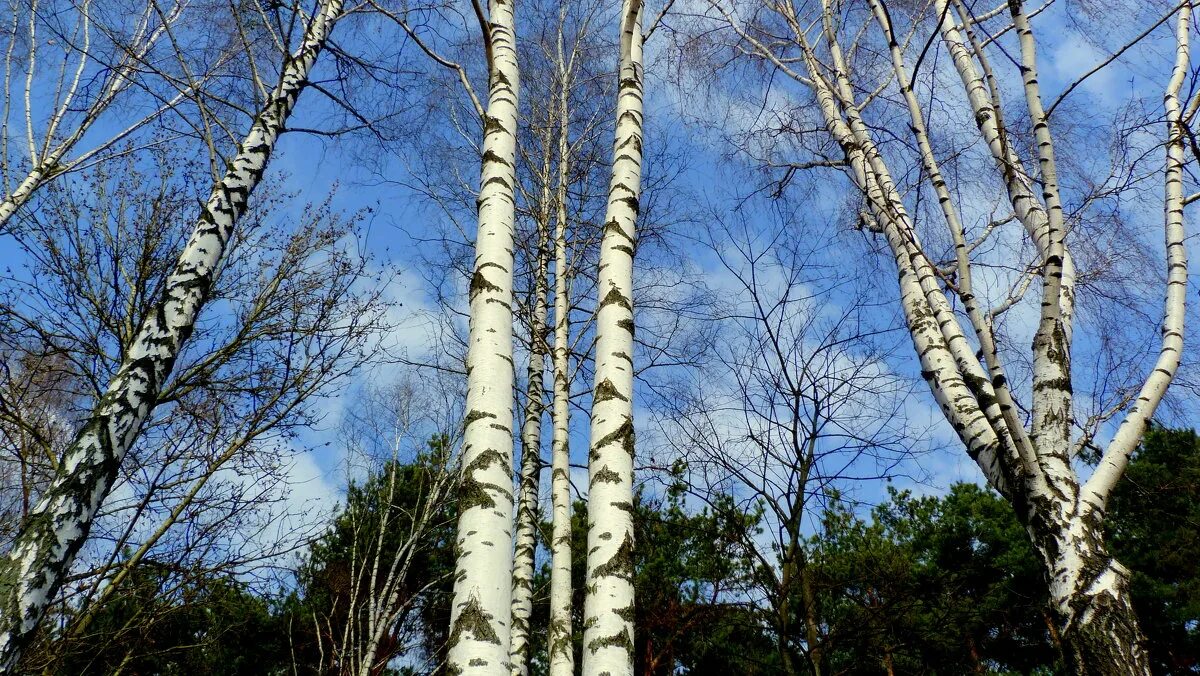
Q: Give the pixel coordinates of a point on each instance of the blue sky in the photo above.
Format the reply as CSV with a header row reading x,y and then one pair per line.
x,y
714,181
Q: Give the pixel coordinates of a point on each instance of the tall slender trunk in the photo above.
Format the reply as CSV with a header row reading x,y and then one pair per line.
x,y
793,571
1089,590
560,649
608,642
531,444
32,573
481,609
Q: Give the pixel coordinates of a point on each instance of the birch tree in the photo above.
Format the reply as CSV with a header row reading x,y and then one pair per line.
x,y
560,648
482,607
583,175
564,199
608,608
551,76
84,82
1026,450
540,194
33,571
531,446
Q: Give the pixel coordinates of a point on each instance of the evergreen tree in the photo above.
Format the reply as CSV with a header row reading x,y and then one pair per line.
x,y
207,625
930,585
1154,523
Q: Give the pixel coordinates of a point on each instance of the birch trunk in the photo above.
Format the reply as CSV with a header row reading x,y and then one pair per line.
x,y
1089,597
531,457
1071,546
1089,590
560,649
608,607
481,609
32,573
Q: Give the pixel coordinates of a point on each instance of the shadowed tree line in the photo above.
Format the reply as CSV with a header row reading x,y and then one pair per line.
x,y
916,585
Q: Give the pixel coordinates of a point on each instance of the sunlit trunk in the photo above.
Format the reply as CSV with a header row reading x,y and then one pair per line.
x,y
608,608
531,458
481,611
1090,599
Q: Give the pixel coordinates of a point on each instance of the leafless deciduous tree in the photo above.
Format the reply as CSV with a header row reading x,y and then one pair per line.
x,y
33,571
388,431
86,82
298,312
799,399
856,66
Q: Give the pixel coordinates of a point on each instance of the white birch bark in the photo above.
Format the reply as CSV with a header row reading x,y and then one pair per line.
x,y
32,573
560,649
1088,589
531,457
481,611
380,595
608,607
22,193
979,84
1052,404
1010,423
934,337
944,354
